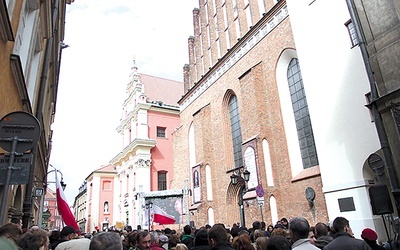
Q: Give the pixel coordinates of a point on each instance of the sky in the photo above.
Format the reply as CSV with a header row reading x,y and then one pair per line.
x,y
105,37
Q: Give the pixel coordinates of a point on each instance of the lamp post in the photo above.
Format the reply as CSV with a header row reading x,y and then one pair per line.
x,y
45,182
148,206
236,178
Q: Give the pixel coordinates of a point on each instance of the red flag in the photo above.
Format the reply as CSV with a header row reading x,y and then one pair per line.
x,y
63,208
162,217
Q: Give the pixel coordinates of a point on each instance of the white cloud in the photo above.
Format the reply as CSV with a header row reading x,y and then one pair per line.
x,y
104,36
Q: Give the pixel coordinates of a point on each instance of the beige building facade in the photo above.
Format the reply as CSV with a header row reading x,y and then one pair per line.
x,y
31,41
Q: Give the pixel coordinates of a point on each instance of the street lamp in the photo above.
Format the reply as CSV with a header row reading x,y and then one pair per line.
x,y
45,182
148,206
236,178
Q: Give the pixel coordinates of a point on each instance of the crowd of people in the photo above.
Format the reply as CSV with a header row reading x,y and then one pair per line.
x,y
295,234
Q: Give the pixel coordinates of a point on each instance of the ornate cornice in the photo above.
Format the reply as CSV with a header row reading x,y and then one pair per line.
x,y
132,148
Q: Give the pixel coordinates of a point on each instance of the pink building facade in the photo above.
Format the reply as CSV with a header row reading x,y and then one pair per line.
x,y
54,221
100,199
144,164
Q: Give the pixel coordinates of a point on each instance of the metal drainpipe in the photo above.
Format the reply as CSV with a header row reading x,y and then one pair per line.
x,y
374,108
27,206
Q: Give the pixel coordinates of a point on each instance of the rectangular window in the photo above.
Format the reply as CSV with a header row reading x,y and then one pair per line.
x,y
106,185
216,28
352,32
162,181
225,16
237,26
248,16
302,116
161,132
215,7
235,9
261,7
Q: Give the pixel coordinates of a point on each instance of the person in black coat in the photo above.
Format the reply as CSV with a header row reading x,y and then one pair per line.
x,y
344,238
201,240
218,238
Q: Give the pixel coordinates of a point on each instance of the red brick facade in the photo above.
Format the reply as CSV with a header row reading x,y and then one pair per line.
x,y
252,78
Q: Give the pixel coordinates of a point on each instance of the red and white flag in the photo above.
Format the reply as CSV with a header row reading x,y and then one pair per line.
x,y
63,207
162,217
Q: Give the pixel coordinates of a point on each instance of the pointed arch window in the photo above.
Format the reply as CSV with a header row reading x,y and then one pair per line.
x,y
236,131
301,115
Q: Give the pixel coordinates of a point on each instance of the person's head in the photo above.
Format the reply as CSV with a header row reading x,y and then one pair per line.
x,y
263,225
320,229
270,228
278,242
131,238
187,229
68,233
181,246
143,240
11,231
340,225
256,225
369,235
217,235
173,241
154,237
163,239
299,228
235,231
33,239
243,231
284,222
55,235
16,221
200,238
261,243
279,231
257,233
106,241
242,242
167,230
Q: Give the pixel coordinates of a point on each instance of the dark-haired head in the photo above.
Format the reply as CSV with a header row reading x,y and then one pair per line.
x,y
278,242
201,238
